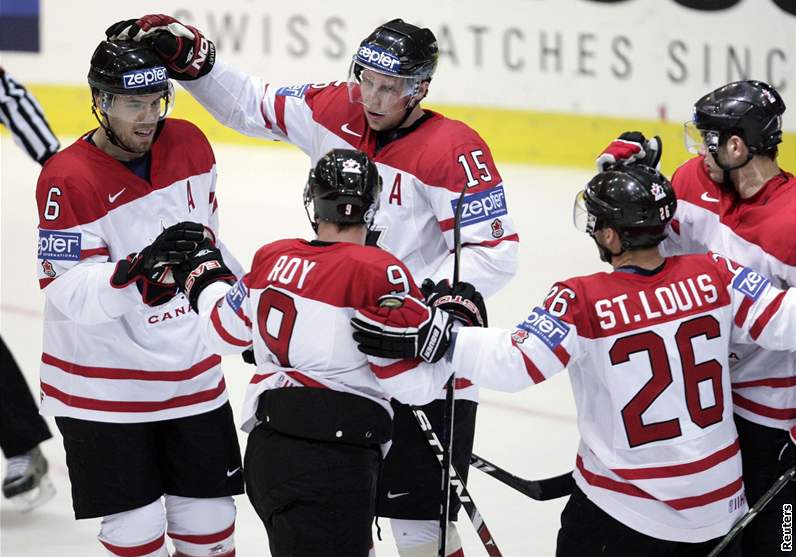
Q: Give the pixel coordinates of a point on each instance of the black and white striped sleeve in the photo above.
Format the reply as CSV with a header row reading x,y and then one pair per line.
x,y
21,113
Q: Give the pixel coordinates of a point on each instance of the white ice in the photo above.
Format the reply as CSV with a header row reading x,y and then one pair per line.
x,y
532,434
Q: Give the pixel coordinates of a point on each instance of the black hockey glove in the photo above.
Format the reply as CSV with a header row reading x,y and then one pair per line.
x,y
151,268
631,148
202,268
462,300
183,49
403,328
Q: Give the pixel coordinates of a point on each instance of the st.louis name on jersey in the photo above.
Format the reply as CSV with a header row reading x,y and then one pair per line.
x,y
647,356
294,308
106,355
423,171
757,232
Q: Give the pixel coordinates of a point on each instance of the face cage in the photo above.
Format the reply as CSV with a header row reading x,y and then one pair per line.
x,y
397,91
699,141
132,108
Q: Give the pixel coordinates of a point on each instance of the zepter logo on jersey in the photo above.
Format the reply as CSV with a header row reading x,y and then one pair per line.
x,y
544,326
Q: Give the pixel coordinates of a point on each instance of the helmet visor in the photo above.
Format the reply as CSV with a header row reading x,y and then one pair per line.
x,y
378,91
699,141
138,109
583,220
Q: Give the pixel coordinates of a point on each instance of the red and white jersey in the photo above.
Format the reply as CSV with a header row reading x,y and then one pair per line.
x,y
107,356
423,172
758,232
647,356
295,306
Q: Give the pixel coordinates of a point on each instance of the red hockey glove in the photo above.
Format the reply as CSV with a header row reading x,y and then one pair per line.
x,y
629,148
403,328
184,50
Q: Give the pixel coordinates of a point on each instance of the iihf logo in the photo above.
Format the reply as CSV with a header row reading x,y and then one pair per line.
x,y
352,166
657,191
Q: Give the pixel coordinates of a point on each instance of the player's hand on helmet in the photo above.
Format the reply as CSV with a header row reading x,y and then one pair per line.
x,y
631,148
151,268
403,328
462,300
184,50
202,267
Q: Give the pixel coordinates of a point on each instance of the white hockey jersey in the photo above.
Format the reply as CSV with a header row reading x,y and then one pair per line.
x,y
423,172
648,362
295,306
759,232
107,356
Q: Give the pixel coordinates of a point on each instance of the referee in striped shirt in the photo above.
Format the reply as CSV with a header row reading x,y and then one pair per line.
x,y
21,113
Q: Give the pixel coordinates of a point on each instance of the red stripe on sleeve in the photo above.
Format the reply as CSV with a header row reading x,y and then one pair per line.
x,y
279,108
262,108
562,354
43,283
134,374
743,311
136,550
205,539
493,243
676,226
533,371
225,335
391,370
766,316
762,410
86,253
773,382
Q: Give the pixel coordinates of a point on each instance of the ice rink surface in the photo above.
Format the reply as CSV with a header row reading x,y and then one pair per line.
x,y
532,434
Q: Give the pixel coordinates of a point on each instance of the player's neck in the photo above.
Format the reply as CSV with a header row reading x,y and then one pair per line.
x,y
648,259
750,178
329,232
101,140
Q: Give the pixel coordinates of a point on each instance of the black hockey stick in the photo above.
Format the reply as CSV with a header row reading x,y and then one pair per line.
x,y
540,490
447,415
461,489
761,503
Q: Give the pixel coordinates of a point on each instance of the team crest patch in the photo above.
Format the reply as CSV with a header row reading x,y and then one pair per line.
x,y
48,268
519,336
296,91
352,166
59,246
657,191
497,228
546,327
237,294
750,283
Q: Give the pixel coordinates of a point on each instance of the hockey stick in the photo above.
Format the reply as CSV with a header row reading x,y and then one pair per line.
x,y
461,489
540,490
761,503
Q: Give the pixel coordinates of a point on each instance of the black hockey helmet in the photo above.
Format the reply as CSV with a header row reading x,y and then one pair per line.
x,y
399,48
127,68
637,201
750,109
344,188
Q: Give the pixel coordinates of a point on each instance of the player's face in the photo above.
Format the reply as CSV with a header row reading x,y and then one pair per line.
x,y
384,99
134,119
711,166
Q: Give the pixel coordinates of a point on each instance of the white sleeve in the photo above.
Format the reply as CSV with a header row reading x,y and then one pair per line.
x,y
225,315
763,314
487,268
411,381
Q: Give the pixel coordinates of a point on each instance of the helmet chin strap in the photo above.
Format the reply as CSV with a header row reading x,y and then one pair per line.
x,y
606,254
727,180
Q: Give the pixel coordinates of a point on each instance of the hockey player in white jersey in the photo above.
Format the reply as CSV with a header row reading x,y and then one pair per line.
x,y
425,160
317,411
735,199
658,470
141,403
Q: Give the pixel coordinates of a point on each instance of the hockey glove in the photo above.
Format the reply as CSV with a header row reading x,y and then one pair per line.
x,y
183,49
630,148
151,269
403,328
462,300
202,268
